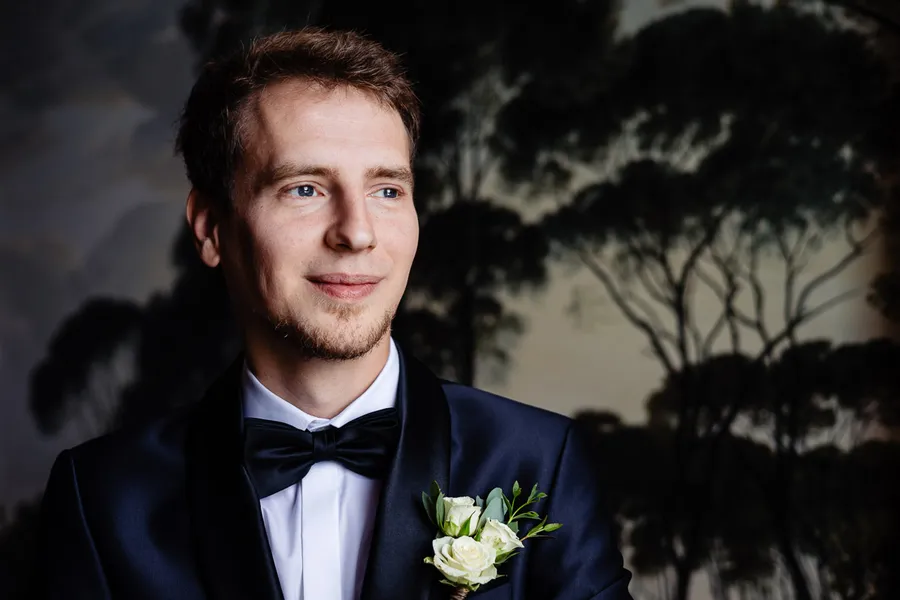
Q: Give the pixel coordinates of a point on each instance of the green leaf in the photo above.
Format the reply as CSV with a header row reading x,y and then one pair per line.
x,y
439,510
435,490
516,489
528,515
552,527
540,496
534,531
495,493
533,493
429,507
514,527
493,510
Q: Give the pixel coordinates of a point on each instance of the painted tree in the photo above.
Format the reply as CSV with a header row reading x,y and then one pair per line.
x,y
729,142
85,369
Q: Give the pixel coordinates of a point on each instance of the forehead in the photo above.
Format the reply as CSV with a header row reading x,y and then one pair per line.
x,y
341,126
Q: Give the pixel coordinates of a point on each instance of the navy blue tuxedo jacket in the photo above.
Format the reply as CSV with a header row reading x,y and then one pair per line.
x,y
167,512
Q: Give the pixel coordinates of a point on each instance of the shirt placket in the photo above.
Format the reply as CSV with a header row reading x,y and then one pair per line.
x,y
320,527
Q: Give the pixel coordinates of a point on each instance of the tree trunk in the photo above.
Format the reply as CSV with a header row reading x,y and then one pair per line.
x,y
783,492
467,309
795,570
468,337
683,576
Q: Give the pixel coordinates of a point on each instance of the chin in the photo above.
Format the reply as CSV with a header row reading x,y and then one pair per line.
x,y
334,337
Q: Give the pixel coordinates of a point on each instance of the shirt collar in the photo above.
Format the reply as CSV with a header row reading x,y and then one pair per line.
x,y
260,403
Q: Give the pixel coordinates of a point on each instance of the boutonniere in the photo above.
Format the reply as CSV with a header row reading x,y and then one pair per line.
x,y
475,536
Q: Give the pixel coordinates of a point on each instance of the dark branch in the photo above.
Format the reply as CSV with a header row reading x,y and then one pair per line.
x,y
790,279
727,297
653,287
652,335
857,247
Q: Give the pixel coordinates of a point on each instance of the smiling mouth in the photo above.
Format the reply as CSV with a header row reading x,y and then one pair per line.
x,y
345,286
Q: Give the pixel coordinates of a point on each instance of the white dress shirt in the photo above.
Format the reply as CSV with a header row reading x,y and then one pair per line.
x,y
320,529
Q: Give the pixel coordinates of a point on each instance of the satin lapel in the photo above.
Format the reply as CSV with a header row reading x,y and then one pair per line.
x,y
402,535
232,548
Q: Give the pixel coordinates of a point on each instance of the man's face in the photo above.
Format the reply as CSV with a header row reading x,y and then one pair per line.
x,y
324,231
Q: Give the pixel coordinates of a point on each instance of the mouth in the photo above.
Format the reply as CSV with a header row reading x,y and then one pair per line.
x,y
345,286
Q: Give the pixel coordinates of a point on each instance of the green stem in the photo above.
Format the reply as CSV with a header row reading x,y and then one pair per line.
x,y
518,510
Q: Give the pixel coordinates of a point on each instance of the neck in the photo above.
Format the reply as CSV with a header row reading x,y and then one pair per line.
x,y
320,388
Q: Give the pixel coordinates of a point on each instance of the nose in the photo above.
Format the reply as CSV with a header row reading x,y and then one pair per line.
x,y
352,229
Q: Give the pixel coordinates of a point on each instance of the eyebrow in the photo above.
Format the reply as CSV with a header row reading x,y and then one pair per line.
x,y
402,174
275,173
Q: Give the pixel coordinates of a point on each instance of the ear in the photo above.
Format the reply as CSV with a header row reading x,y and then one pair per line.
x,y
204,225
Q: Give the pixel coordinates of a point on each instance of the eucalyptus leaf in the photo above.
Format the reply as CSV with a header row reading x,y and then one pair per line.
x,y
495,494
479,502
435,490
493,510
514,527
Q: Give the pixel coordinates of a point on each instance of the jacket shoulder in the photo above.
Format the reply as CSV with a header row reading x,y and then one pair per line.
x,y
491,412
153,447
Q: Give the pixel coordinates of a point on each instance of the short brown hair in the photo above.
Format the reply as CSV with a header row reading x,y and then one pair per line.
x,y
209,135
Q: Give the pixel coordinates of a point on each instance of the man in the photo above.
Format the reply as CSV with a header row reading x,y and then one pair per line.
x,y
298,150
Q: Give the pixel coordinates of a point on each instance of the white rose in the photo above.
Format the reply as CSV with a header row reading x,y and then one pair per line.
x,y
460,516
464,560
500,536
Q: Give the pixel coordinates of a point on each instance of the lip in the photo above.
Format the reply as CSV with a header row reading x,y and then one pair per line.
x,y
345,286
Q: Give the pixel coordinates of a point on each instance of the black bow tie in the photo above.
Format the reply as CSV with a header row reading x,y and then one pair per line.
x,y
279,455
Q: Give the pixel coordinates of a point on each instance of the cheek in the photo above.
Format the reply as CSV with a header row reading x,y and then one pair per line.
x,y
269,258
282,264
403,239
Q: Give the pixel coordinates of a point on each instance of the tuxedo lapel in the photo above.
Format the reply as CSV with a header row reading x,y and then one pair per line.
x,y
232,548
402,534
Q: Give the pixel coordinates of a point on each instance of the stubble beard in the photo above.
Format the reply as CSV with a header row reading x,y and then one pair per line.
x,y
349,340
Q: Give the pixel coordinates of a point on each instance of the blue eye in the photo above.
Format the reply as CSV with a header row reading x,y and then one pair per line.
x,y
303,191
390,193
